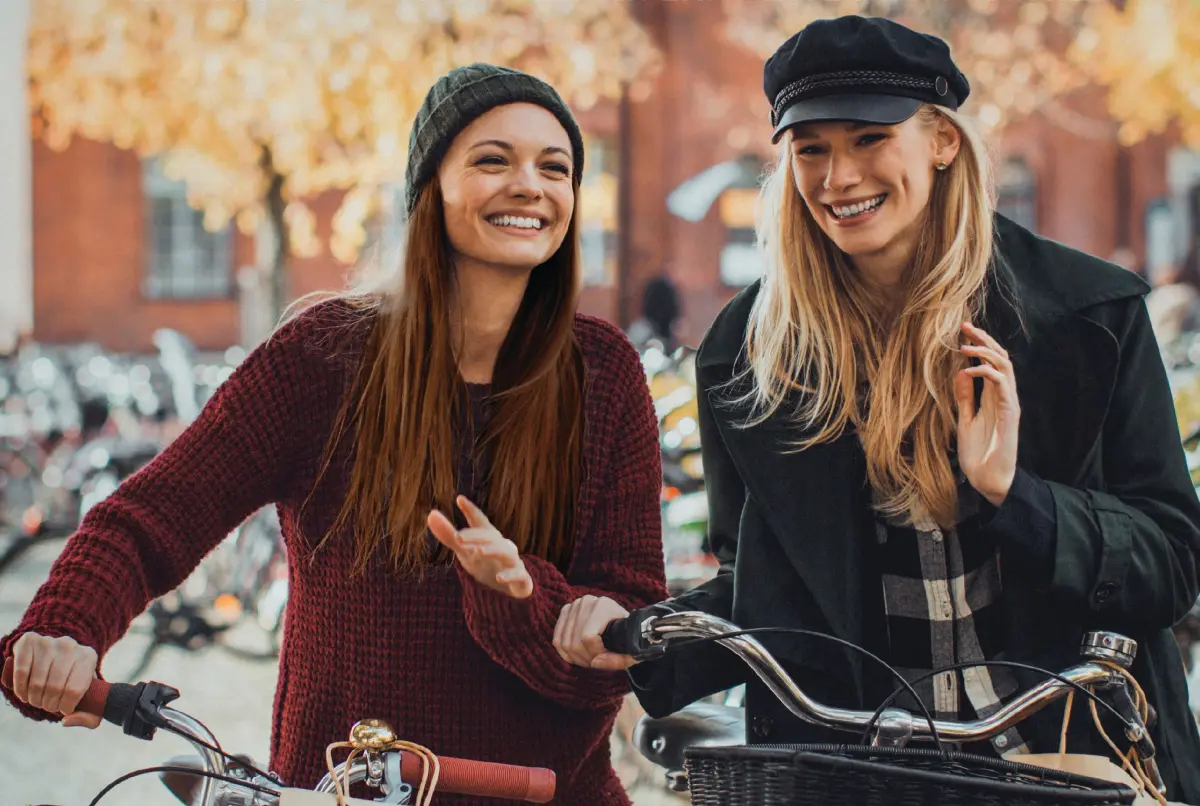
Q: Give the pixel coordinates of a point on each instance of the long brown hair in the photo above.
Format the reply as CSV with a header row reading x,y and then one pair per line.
x,y
814,328
408,397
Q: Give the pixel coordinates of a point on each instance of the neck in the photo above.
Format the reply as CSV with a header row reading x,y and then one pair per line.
x,y
886,270
487,302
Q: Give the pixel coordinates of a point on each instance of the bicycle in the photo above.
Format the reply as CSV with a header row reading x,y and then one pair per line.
x,y
404,773
703,746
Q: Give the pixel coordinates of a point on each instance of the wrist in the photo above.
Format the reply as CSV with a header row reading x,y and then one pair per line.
x,y
997,493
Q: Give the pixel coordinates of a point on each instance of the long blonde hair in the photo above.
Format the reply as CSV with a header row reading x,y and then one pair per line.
x,y
816,329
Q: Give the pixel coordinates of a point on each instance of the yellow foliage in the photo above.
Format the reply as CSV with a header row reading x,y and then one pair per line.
x,y
328,87
1148,54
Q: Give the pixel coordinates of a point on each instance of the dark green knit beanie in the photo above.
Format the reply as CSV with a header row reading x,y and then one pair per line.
x,y
461,96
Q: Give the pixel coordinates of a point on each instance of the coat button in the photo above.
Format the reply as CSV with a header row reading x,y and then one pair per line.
x,y
1105,592
761,725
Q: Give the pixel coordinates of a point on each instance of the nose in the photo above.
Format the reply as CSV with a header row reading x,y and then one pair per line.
x,y
526,182
842,173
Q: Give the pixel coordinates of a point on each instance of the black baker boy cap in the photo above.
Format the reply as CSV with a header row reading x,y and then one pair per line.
x,y
862,69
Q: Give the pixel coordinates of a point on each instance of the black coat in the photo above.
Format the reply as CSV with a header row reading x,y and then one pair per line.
x,y
1099,439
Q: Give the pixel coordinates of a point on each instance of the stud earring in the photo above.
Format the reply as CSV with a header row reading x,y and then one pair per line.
x,y
943,165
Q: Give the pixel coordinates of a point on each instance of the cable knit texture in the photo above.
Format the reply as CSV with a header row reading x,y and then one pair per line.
x,y
450,664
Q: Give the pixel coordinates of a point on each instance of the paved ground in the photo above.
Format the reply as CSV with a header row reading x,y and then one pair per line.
x,y
44,763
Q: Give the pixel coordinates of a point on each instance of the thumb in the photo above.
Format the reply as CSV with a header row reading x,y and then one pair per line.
x,y
81,720
612,662
964,396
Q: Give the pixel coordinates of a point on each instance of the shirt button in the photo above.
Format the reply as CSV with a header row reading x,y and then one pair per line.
x,y
761,725
1001,742
936,535
1105,592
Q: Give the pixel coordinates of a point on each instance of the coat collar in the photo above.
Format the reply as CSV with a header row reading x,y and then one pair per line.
x,y
815,501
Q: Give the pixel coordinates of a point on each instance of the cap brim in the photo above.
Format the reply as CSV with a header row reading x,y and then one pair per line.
x,y
882,109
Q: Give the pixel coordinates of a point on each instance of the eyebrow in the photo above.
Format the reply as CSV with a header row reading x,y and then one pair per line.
x,y
803,133
509,147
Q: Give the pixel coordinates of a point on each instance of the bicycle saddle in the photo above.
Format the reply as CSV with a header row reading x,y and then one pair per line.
x,y
701,724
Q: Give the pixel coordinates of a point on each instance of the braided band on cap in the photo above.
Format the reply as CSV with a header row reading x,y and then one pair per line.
x,y
856,78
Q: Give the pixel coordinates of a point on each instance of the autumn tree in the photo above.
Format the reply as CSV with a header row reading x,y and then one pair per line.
x,y
260,104
1148,55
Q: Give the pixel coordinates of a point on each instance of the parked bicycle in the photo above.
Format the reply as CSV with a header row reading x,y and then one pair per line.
x,y
702,746
401,772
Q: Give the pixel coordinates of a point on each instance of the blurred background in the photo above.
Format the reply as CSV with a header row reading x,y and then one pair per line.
x,y
176,171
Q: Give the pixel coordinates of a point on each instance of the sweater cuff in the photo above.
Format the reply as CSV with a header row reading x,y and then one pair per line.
x,y
1024,525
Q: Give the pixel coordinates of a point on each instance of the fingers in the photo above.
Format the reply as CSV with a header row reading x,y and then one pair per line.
x,y
517,581
442,529
577,635
964,395
988,354
575,617
982,337
474,514
56,682
987,372
22,655
38,675
79,680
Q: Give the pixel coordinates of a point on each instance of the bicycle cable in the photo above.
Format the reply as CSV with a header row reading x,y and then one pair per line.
x,y
937,741
227,778
217,749
891,698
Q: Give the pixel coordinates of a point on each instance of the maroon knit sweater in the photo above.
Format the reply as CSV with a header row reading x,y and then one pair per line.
x,y
449,663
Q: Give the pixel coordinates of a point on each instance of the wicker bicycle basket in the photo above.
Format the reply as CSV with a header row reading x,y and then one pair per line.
x,y
857,775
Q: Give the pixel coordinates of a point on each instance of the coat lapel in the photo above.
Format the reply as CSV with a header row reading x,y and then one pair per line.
x,y
809,499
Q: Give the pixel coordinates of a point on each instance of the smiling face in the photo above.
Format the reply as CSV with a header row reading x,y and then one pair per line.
x,y
868,186
507,188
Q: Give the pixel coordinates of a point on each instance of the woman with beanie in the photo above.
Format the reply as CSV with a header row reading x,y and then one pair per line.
x,y
455,455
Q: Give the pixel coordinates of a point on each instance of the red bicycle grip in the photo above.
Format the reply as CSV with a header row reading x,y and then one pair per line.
x,y
484,778
92,703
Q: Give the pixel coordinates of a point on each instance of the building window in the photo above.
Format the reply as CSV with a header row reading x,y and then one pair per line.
x,y
1017,191
183,259
598,211
741,261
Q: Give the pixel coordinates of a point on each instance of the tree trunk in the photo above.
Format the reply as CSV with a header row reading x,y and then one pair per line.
x,y
281,248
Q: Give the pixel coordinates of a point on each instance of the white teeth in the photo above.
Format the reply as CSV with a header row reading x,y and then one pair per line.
x,y
520,222
860,207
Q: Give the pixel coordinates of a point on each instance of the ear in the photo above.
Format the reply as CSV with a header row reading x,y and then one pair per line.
x,y
947,140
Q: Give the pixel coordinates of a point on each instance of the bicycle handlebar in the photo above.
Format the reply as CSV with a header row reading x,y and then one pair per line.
x,y
116,703
649,637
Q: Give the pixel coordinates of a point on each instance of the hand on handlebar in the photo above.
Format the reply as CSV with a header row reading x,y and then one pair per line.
x,y
53,674
578,634
488,556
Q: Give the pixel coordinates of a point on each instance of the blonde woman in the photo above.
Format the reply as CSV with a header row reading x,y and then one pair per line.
x,y
927,430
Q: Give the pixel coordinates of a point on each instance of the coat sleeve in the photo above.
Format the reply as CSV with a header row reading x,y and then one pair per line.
x,y
664,686
621,557
1126,555
144,539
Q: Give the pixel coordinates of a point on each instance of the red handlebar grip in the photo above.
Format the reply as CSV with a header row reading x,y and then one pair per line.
x,y
484,778
92,703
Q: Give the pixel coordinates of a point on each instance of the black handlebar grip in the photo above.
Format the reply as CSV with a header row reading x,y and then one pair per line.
x,y
620,637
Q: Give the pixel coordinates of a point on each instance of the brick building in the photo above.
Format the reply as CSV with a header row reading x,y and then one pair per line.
x,y
117,253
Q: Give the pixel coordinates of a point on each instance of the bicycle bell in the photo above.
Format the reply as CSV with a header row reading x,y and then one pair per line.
x,y
1109,646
